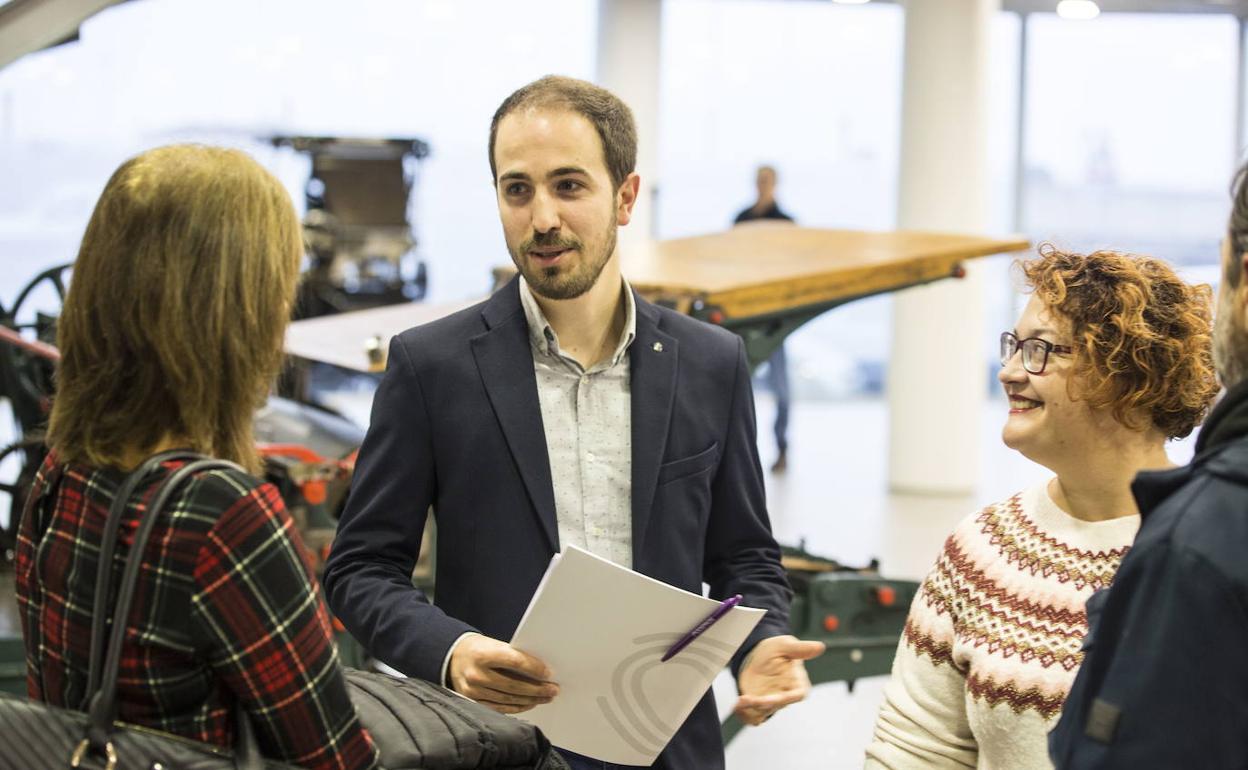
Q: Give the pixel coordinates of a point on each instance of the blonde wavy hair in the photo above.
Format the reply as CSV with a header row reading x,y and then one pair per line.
x,y
174,320
1141,335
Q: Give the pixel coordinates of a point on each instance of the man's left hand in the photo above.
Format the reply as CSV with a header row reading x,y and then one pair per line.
x,y
774,675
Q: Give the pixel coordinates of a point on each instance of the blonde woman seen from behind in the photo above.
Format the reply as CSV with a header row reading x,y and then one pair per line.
x,y
170,336
1109,359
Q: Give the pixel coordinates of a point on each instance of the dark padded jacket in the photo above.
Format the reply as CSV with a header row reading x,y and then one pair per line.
x,y
1164,680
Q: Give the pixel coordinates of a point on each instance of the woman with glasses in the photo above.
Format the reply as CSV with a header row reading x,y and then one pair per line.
x,y
1110,358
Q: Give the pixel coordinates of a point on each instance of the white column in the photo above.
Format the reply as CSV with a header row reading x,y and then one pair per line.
x,y
628,65
936,380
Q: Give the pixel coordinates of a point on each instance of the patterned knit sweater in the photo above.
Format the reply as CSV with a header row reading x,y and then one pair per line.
x,y
992,642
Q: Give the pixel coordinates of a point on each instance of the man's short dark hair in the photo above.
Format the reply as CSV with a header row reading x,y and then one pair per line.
x,y
609,116
1237,229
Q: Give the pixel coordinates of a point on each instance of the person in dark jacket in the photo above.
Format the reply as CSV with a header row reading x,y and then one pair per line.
x,y
765,208
1164,680
563,410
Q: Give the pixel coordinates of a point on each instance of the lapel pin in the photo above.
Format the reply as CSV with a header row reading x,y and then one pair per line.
x,y
658,347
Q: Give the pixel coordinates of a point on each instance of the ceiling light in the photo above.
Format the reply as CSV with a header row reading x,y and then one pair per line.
x,y
1078,9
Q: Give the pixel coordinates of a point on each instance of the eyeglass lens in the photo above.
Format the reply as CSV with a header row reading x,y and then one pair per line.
x,y
1035,352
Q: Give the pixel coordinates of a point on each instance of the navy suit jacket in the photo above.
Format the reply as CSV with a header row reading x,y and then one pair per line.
x,y
457,426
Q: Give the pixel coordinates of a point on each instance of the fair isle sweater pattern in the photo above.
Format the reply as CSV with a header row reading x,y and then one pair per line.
x,y
1004,623
992,643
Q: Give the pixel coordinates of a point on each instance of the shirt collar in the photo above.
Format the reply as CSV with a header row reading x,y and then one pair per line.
x,y
543,337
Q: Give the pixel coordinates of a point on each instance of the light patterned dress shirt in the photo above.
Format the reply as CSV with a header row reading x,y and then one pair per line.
x,y
588,421
587,418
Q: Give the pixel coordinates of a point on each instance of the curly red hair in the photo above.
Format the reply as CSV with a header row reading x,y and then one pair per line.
x,y
1142,336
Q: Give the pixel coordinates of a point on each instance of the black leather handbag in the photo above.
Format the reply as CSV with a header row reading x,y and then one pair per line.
x,y
36,736
417,725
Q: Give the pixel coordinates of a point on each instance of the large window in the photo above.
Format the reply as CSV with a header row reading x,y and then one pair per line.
x,y
234,71
1130,134
813,89
1129,124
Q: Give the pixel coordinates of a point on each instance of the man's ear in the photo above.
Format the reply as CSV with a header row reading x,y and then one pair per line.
x,y
626,198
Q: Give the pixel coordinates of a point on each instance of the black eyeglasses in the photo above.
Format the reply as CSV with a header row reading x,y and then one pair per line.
x,y
1035,351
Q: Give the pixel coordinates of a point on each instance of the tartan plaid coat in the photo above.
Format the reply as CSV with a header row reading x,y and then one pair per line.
x,y
227,613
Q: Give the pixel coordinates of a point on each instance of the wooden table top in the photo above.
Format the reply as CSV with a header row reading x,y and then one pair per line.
x,y
752,270
768,267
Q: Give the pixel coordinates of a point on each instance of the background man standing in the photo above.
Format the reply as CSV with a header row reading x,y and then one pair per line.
x,y
765,207
563,410
1164,679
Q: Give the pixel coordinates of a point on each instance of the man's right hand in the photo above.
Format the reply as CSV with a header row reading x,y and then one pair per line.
x,y
498,675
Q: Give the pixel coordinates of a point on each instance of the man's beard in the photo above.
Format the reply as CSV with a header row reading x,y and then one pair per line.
x,y
1230,342
559,281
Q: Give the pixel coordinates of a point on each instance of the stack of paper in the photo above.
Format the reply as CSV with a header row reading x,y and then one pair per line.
x,y
602,630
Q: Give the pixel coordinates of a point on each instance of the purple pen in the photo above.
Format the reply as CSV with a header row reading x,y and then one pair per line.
x,y
699,629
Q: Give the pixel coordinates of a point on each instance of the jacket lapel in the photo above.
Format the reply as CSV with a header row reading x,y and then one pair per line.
x,y
505,362
653,360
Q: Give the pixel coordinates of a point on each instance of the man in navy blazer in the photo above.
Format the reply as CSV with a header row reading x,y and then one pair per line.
x,y
564,406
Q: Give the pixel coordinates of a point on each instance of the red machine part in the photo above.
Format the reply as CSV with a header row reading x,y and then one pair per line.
x,y
886,596
314,490
297,451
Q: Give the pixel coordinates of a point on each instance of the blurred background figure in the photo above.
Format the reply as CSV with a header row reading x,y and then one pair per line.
x,y
765,207
1110,358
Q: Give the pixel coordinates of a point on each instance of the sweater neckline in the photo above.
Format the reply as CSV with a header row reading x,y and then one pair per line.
x,y
1095,535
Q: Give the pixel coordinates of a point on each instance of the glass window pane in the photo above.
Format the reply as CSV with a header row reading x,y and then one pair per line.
x,y
810,88
1130,129
1003,83
813,89
235,71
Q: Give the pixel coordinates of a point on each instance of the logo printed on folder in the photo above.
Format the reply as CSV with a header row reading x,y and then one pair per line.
x,y
628,711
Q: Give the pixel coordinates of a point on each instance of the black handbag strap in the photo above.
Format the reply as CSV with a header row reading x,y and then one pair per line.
x,y
103,700
104,568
